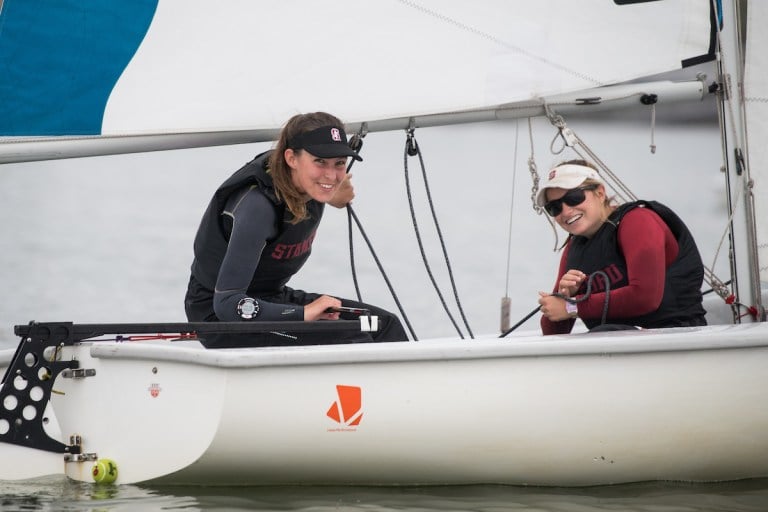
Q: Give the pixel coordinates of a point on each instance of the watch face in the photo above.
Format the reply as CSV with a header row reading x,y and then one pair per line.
x,y
247,308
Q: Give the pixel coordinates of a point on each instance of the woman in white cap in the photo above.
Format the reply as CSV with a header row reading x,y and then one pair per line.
x,y
258,231
647,268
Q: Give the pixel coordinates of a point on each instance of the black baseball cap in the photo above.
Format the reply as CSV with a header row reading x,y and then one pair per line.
x,y
325,142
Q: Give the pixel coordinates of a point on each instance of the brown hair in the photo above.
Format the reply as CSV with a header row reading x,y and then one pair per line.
x,y
278,167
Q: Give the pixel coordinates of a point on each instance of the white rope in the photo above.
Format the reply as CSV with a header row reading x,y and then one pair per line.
x,y
512,207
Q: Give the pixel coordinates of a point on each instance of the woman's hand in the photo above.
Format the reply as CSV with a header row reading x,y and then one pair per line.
x,y
344,194
553,307
571,282
315,310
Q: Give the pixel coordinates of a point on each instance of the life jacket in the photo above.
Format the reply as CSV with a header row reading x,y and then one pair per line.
x,y
283,255
681,303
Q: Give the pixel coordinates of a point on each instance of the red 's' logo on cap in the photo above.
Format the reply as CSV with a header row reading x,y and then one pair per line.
x,y
335,135
552,174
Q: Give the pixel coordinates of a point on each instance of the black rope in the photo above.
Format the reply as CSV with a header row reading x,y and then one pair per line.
x,y
383,273
584,297
356,143
521,322
352,254
412,149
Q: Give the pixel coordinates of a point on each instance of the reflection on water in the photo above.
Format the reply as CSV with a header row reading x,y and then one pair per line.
x,y
62,495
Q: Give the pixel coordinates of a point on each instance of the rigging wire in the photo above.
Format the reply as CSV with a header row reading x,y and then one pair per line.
x,y
726,93
412,149
725,107
511,208
506,302
574,142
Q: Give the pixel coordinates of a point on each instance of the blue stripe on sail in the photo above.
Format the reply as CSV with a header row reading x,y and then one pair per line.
x,y
60,60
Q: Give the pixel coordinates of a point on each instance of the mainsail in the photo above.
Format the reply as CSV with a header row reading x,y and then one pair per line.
x,y
235,72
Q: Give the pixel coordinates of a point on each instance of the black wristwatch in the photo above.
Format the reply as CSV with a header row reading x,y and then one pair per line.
x,y
247,308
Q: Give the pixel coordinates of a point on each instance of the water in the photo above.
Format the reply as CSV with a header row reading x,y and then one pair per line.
x,y
108,239
62,495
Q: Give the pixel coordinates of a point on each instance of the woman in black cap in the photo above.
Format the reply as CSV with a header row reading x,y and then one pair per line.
x,y
258,231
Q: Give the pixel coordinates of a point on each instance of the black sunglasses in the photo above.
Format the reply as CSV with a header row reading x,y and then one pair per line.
x,y
573,197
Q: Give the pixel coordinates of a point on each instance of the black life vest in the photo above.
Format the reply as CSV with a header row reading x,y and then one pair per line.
x,y
283,255
681,303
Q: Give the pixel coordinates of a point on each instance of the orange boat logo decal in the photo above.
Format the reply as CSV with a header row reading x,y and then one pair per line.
x,y
347,409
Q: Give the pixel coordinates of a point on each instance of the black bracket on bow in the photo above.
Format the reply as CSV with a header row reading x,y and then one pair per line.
x,y
28,383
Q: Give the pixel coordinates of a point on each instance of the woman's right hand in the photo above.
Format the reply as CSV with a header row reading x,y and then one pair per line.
x,y
315,310
571,282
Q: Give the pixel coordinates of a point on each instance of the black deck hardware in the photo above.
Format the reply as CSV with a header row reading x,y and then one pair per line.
x,y
27,385
28,382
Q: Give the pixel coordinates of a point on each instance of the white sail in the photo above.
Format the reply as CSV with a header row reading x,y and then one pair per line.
x,y
433,56
247,66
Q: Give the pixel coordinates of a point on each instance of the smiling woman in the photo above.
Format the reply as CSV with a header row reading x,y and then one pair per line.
x,y
258,232
632,265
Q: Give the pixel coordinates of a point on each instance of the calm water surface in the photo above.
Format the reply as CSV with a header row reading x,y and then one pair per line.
x,y
62,495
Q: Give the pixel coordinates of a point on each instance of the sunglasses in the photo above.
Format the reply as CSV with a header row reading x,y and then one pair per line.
x,y
573,197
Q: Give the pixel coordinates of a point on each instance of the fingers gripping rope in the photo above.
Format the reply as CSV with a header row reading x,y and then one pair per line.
x,y
586,295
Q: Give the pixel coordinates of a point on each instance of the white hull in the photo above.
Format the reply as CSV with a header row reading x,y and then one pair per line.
x,y
674,404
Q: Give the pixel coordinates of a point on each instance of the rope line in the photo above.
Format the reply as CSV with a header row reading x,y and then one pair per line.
x,y
356,143
383,273
412,148
587,294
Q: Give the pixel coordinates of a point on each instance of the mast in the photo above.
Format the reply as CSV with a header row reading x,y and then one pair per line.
x,y
745,265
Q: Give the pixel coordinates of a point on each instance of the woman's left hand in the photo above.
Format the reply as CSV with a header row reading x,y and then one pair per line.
x,y
553,307
344,194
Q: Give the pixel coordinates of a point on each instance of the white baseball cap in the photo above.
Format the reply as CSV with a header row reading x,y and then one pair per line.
x,y
566,176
